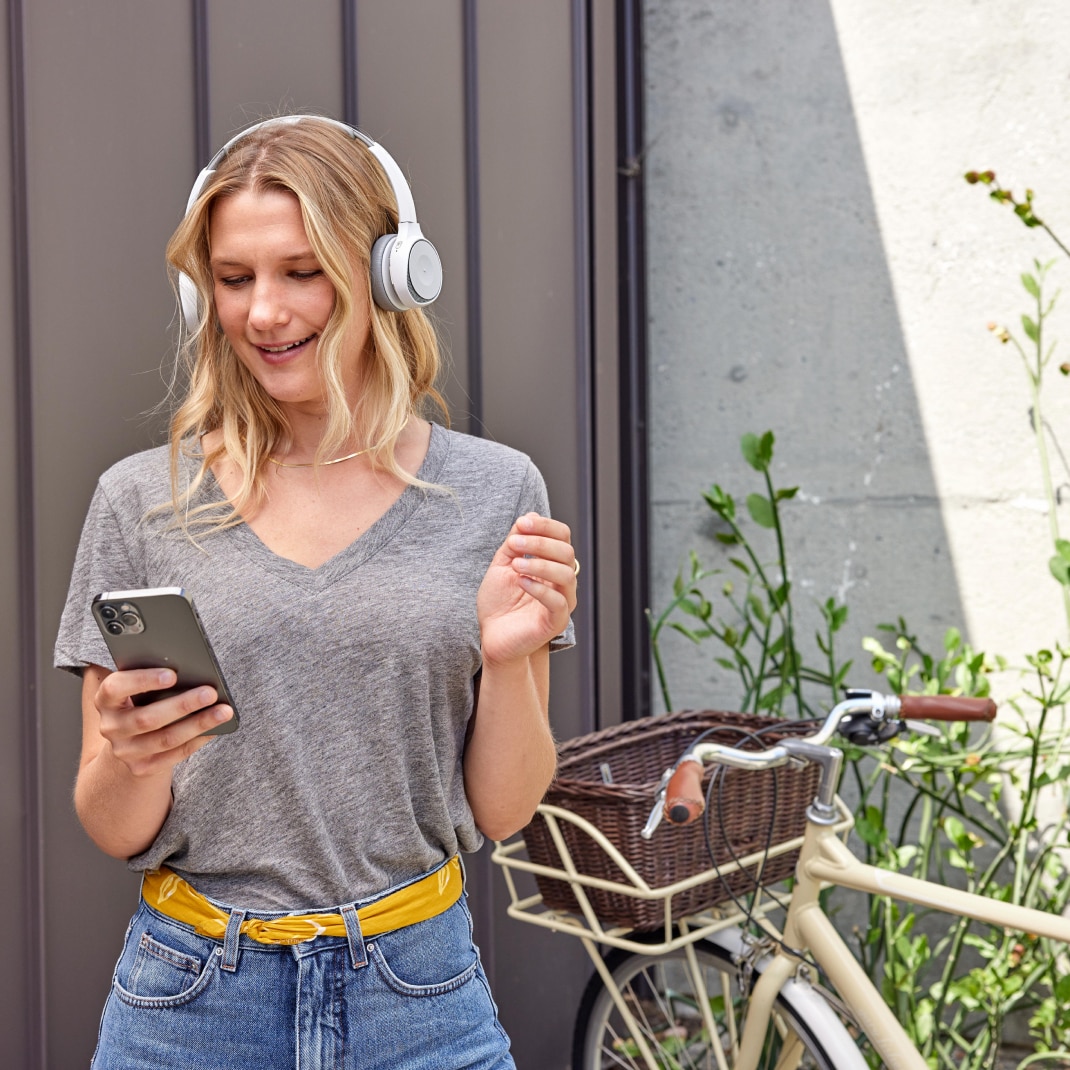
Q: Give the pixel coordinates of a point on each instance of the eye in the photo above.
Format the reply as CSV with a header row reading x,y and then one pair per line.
x,y
303,276
232,281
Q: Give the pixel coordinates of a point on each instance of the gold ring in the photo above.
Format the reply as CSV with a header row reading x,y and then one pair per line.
x,y
576,567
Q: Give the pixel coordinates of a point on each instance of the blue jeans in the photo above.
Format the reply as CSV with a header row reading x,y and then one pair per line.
x,y
412,999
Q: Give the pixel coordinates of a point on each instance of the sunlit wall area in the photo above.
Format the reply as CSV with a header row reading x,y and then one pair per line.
x,y
818,267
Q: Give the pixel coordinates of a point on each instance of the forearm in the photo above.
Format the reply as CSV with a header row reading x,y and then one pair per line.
x,y
122,813
123,791
510,756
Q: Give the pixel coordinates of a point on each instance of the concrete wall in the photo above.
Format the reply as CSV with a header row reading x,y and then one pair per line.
x,y
818,267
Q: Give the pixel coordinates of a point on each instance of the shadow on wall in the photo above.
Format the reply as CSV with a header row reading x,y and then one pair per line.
x,y
772,307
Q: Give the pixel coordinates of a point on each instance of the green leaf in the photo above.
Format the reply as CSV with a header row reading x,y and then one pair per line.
x,y
757,452
700,608
1063,548
870,826
720,502
727,538
952,639
784,493
1031,285
761,510
1060,569
770,699
1030,328
696,636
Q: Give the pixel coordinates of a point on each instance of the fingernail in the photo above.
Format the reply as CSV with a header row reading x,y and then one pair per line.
x,y
222,714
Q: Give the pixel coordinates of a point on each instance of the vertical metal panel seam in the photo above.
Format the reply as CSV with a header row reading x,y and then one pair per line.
x,y
202,124
583,249
28,705
635,578
349,62
473,252
483,907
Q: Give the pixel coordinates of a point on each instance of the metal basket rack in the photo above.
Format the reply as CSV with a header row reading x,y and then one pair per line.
x,y
511,855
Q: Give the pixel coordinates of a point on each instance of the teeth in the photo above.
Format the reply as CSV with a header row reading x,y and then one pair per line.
x,y
283,349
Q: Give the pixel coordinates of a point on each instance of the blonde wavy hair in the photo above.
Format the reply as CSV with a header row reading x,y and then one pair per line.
x,y
346,203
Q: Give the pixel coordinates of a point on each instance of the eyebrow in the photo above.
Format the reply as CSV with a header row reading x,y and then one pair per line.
x,y
290,259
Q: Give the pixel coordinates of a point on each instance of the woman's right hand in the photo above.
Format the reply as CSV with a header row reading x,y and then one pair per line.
x,y
155,737
129,752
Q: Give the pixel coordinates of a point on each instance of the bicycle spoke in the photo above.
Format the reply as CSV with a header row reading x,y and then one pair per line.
x,y
666,999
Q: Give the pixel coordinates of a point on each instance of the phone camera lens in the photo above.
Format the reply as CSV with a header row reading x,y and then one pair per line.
x,y
108,612
131,620
114,627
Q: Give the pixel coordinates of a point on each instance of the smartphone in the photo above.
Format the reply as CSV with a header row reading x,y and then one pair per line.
x,y
158,628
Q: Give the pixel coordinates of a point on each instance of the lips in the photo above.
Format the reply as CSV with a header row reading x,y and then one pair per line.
x,y
288,346
279,354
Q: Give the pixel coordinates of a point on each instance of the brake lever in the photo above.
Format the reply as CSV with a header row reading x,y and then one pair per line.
x,y
654,819
922,728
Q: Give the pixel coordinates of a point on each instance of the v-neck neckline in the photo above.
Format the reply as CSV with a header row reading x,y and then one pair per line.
x,y
368,543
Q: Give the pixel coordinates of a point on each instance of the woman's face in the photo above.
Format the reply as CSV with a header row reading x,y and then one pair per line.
x,y
273,299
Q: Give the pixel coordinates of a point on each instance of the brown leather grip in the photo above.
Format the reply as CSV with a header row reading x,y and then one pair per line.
x,y
947,708
683,796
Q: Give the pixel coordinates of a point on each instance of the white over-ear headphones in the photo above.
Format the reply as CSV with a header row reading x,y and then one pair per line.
x,y
406,271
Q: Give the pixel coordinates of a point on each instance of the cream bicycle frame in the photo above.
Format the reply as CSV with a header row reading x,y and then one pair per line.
x,y
824,860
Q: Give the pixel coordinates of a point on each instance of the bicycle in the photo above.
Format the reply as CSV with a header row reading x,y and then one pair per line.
x,y
700,990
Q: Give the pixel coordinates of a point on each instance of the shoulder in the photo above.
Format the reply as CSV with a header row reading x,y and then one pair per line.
x,y
140,480
139,465
481,457
491,476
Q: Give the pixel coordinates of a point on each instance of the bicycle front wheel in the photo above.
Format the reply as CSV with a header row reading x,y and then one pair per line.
x,y
665,1000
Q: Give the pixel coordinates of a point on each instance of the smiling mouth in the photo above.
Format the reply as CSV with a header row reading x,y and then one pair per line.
x,y
286,348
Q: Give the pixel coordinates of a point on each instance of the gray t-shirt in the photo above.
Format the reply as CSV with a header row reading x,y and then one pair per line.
x,y
354,679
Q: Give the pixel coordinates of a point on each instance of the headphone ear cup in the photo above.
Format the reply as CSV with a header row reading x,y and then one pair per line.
x,y
190,301
382,288
406,271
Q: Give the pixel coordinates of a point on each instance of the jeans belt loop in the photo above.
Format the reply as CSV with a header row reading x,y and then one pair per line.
x,y
354,936
231,941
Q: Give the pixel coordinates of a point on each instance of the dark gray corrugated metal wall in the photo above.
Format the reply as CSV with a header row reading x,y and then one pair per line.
x,y
504,115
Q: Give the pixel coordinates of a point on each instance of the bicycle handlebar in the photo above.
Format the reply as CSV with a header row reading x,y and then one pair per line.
x,y
947,708
684,797
684,802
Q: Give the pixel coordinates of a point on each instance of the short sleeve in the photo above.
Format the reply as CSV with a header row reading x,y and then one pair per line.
x,y
103,563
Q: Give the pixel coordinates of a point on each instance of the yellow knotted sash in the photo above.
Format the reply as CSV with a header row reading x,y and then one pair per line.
x,y
165,891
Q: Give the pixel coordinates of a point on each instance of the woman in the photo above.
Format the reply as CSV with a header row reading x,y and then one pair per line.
x,y
382,595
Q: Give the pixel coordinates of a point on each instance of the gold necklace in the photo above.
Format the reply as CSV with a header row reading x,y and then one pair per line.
x,y
311,464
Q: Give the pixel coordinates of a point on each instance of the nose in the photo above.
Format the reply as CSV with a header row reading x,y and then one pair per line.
x,y
267,306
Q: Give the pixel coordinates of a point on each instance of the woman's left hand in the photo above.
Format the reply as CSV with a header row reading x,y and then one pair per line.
x,y
529,590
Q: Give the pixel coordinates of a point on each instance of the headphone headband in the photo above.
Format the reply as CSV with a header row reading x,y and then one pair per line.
x,y
406,271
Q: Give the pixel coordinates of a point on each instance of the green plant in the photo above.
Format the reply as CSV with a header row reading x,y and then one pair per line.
x,y
1036,353
954,985
754,625
933,806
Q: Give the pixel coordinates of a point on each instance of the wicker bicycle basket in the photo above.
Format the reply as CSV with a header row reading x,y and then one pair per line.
x,y
750,811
